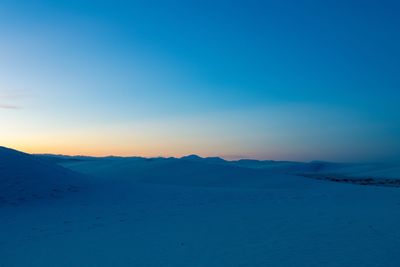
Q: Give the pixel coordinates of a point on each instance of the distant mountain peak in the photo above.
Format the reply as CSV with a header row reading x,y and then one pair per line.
x,y
192,157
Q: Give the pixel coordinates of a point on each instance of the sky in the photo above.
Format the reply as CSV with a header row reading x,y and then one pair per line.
x,y
283,80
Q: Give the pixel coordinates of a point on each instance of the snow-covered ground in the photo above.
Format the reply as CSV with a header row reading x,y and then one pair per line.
x,y
195,212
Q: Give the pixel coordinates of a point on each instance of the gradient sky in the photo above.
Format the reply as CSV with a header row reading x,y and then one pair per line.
x,y
295,80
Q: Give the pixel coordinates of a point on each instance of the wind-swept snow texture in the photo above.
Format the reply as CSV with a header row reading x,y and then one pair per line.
x,y
202,212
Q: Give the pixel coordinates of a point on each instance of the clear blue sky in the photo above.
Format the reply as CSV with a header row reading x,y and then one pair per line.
x,y
298,80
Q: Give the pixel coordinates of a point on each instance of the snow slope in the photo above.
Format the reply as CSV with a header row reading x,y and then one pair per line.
x,y
24,177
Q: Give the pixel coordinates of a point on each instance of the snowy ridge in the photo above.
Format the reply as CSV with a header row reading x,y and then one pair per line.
x,y
206,171
187,171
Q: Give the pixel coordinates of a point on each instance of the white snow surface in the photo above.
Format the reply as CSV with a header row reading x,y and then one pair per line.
x,y
192,212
